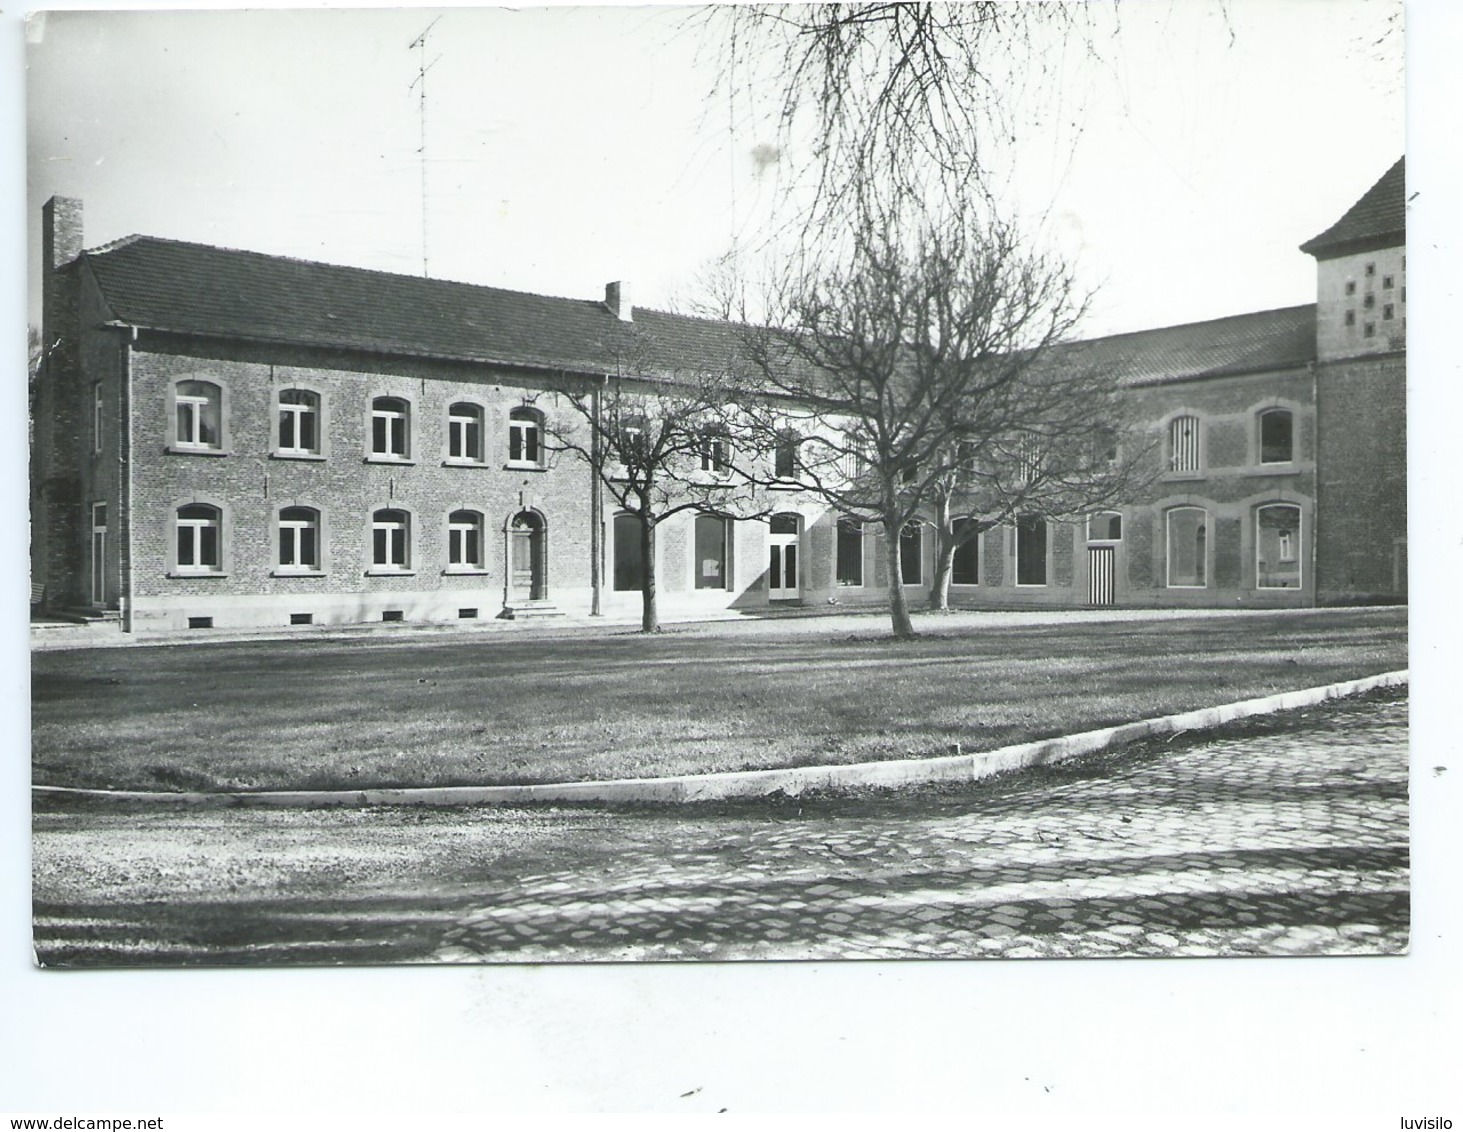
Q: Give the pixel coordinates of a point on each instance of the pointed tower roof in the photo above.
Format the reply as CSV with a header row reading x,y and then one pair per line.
x,y
1377,220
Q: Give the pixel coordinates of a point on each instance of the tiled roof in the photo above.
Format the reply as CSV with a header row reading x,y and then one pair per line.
x,y
1242,343
1378,219
213,292
201,290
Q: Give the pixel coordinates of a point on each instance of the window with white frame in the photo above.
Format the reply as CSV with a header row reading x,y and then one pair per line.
x,y
1277,547
525,438
390,539
1187,547
715,451
465,540
199,539
199,409
390,428
1277,436
1183,444
1031,541
299,539
299,422
850,565
465,433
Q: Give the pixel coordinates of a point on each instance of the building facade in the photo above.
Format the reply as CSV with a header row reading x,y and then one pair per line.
x,y
227,439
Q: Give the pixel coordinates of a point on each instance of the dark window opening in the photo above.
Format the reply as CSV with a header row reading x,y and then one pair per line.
x,y
302,619
392,615
850,552
1031,551
467,614
200,622
911,557
965,569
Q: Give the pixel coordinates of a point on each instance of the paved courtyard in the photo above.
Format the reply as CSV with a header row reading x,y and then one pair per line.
x,y
1288,842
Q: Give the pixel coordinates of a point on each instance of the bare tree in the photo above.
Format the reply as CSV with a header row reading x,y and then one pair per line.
x,y
894,98
658,446
920,375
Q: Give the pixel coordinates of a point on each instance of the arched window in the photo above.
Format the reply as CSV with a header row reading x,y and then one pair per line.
x,y
712,557
199,415
390,428
1277,436
525,437
299,422
1187,549
911,553
1183,444
465,540
390,539
1277,547
465,433
200,539
299,538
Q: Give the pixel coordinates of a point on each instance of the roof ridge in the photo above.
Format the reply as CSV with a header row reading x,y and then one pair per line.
x,y
1295,308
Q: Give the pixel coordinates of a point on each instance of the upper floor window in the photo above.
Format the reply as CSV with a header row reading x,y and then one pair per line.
x,y
390,539
715,451
299,538
199,407
785,459
1277,436
390,428
199,528
525,437
299,422
465,540
465,433
1028,458
631,440
1183,444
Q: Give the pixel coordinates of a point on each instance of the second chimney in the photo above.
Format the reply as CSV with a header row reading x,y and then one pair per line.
x,y
617,298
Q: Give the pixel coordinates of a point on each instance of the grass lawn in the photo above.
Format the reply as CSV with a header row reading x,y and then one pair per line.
x,y
486,708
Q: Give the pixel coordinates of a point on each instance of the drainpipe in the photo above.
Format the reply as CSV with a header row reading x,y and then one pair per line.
x,y
124,457
1315,482
596,501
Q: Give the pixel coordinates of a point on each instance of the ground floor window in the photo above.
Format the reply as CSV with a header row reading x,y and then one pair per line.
x,y
1031,550
911,554
465,540
965,568
712,534
299,538
389,543
850,568
1187,547
629,554
1277,547
198,538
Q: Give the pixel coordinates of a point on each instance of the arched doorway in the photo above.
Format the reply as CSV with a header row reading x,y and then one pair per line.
x,y
527,557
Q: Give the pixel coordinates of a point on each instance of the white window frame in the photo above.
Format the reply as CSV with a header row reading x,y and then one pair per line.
x,y
396,428
389,527
460,430
459,534
525,434
293,528
1208,528
188,412
296,412
196,525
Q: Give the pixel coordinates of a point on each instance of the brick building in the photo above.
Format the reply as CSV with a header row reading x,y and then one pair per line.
x,y
231,439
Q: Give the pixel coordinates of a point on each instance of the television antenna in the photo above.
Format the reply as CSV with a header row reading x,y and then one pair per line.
x,y
419,44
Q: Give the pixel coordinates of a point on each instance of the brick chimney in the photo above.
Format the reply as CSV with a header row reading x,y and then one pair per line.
x,y
617,299
60,232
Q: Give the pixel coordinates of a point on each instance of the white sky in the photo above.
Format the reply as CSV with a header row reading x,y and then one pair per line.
x,y
569,147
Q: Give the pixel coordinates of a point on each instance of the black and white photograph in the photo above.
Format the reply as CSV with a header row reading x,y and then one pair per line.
x,y
685,486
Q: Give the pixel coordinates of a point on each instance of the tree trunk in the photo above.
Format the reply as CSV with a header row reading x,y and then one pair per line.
x,y
944,554
649,614
898,607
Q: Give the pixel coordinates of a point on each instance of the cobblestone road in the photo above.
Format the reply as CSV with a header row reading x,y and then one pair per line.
x,y
1293,842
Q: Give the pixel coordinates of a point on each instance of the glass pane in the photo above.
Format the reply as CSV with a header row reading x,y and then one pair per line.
x,y
306,423
378,435
515,442
784,524
1275,438
308,556
530,444
378,547
710,552
208,427
185,423
286,428
471,557
185,546
286,546
398,546
208,546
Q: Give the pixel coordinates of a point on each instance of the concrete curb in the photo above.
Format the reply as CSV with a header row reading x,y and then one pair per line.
x,y
759,783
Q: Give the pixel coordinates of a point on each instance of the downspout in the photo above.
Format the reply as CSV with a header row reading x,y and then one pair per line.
x,y
1315,482
124,503
596,501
